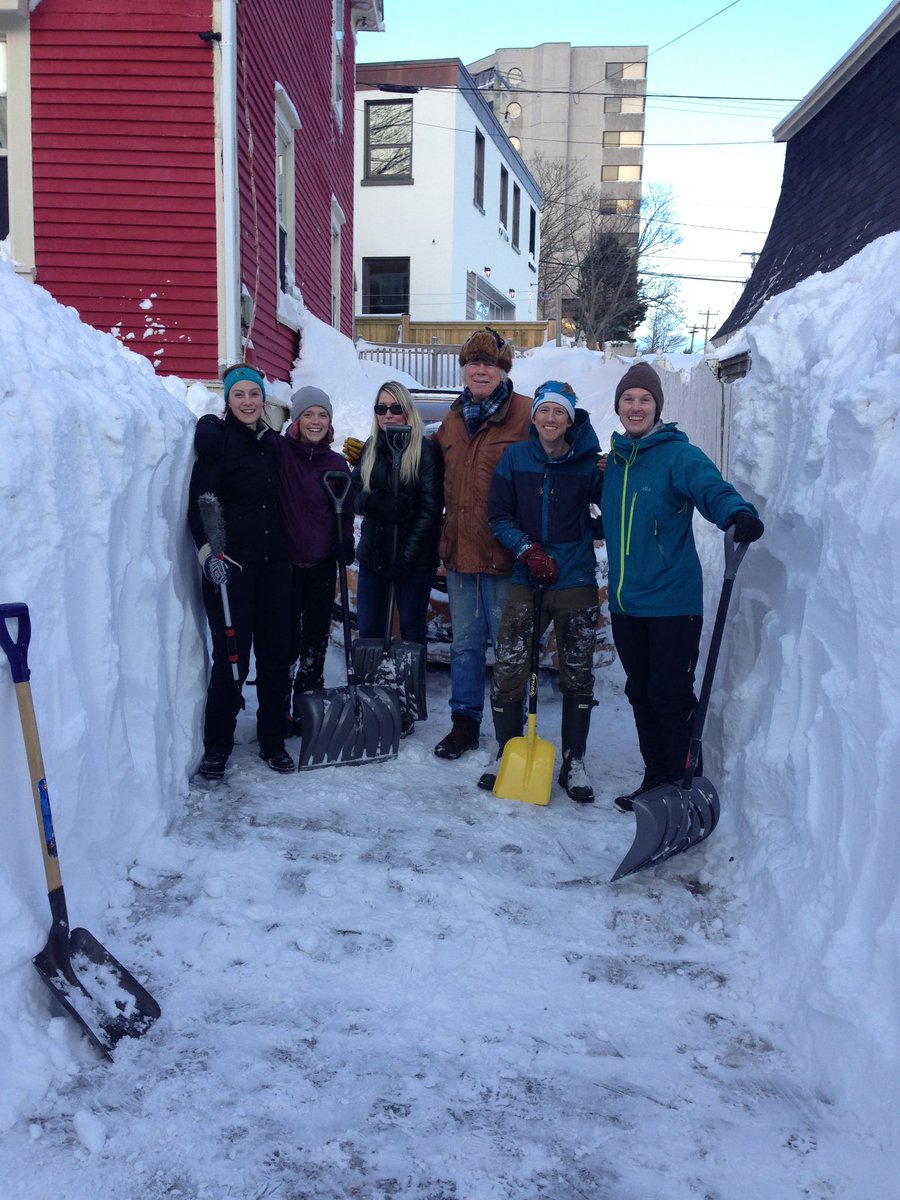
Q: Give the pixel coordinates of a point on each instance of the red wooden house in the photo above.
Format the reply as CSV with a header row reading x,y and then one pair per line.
x,y
179,171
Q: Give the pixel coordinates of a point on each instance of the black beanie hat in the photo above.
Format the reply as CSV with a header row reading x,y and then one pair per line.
x,y
641,375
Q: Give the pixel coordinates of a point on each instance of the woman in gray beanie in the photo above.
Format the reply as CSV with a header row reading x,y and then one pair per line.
x,y
304,455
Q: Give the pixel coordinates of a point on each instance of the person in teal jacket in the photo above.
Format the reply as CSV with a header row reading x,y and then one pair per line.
x,y
654,480
539,508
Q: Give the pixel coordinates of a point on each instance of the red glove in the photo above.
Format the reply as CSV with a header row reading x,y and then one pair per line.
x,y
540,566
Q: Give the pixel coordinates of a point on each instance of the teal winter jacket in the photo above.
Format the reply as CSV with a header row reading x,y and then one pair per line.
x,y
651,488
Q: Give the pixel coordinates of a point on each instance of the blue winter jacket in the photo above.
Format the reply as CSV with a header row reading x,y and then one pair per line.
x,y
534,498
651,487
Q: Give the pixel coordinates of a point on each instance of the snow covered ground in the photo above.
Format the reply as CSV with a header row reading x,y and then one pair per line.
x,y
381,982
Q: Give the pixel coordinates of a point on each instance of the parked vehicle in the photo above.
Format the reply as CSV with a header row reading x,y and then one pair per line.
x,y
433,404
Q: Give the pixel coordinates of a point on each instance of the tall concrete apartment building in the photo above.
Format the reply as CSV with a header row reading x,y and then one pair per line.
x,y
582,104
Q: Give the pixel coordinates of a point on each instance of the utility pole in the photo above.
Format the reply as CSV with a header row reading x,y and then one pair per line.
x,y
709,316
694,329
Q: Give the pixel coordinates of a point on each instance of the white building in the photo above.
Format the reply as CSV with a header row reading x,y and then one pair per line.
x,y
447,215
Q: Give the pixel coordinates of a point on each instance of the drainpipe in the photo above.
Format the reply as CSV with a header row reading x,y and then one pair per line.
x,y
230,209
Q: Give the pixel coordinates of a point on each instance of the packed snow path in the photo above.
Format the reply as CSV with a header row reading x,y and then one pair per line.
x,y
380,982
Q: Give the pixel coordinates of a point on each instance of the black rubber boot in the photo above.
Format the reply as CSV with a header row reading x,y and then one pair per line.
x,y
507,724
576,721
462,737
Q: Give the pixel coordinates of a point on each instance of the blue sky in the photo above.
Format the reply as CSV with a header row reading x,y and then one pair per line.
x,y
717,154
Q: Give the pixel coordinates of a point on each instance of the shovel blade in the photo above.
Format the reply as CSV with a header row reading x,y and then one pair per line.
x,y
93,987
670,819
347,726
526,769
402,668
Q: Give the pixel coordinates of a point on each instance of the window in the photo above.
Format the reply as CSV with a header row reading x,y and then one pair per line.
x,y
337,59
532,234
504,195
485,303
623,104
623,137
478,196
385,285
619,208
337,220
624,173
389,141
626,70
517,210
287,122
4,146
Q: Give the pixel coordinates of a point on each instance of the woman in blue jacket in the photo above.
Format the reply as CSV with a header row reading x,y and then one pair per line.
x,y
653,482
539,508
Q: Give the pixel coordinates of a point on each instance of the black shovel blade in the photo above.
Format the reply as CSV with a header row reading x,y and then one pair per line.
x,y
670,819
348,726
402,668
93,987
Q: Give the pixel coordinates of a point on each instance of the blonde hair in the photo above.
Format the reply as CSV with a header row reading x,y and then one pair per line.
x,y
412,455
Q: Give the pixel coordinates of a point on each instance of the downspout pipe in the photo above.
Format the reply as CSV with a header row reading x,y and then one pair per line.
x,y
230,207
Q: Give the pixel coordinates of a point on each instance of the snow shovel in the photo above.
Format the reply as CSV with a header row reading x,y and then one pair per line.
x,y
395,663
105,999
214,528
359,723
674,817
526,768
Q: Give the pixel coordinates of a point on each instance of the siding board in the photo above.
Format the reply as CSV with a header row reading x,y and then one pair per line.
x,y
123,141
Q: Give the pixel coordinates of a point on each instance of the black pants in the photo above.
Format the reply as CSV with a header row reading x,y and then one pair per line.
x,y
312,601
659,655
259,595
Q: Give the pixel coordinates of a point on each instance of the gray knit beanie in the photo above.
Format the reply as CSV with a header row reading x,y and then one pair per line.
x,y
310,397
641,375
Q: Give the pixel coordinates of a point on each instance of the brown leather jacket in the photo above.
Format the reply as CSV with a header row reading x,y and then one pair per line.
x,y
467,543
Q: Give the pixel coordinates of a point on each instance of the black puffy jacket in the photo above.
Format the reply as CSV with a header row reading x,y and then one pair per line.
x,y
237,463
418,535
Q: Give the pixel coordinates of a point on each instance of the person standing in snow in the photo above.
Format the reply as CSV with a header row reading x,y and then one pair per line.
x,y
304,455
539,509
485,418
236,463
653,482
409,521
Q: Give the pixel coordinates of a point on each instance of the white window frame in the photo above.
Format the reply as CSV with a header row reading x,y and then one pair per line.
x,y
337,61
338,220
287,123
16,32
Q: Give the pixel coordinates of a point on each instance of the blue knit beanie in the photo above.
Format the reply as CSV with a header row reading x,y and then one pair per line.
x,y
236,374
557,393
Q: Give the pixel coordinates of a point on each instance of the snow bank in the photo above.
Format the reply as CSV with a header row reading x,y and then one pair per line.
x,y
94,462
810,729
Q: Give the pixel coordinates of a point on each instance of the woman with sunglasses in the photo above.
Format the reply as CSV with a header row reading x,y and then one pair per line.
x,y
413,514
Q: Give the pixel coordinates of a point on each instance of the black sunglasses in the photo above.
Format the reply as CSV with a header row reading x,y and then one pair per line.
x,y
382,410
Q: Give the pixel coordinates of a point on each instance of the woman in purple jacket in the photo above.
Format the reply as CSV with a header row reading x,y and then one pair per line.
x,y
304,455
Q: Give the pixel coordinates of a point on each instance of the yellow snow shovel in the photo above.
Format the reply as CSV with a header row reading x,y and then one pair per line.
x,y
526,768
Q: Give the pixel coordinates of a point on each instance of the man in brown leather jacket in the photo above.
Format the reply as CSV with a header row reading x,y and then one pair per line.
x,y
485,418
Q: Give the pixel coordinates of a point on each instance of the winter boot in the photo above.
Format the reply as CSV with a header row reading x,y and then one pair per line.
x,y
652,779
576,721
462,737
507,724
212,764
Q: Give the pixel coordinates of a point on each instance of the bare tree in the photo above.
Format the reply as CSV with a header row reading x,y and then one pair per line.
x,y
594,249
664,326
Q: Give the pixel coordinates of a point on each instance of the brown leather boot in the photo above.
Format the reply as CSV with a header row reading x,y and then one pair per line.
x,y
462,737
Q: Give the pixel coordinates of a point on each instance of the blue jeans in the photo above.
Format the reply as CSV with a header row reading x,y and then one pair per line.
x,y
476,607
412,597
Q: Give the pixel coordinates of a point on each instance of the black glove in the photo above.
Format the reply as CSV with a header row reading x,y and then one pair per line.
x,y
392,510
747,528
345,552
